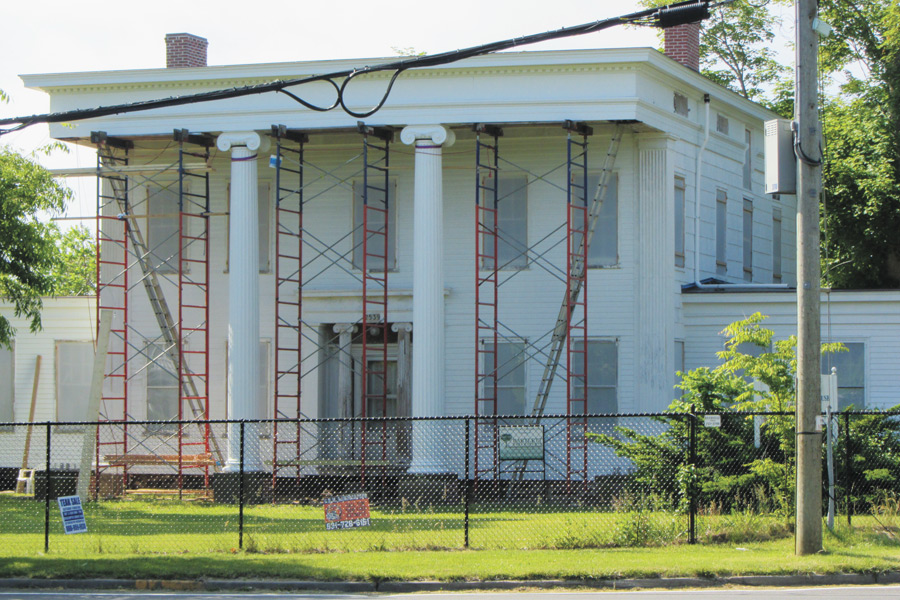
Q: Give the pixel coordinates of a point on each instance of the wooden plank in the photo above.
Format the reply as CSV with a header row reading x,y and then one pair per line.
x,y
128,169
89,435
34,390
123,460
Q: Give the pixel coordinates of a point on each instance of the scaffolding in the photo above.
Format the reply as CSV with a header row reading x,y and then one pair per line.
x,y
182,347
287,437
569,334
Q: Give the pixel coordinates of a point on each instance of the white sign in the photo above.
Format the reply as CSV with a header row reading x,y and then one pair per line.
x,y
521,442
72,514
820,422
830,392
712,420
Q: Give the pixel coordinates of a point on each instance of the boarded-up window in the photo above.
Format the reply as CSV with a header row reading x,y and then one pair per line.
x,y
851,374
368,213
721,231
7,383
512,224
162,388
74,365
679,221
511,399
748,240
603,250
680,103
776,245
162,228
722,124
748,160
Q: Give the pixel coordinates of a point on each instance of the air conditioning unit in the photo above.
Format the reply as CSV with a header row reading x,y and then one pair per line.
x,y
781,163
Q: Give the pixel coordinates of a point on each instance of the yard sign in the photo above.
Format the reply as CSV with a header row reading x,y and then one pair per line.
x,y
346,512
72,514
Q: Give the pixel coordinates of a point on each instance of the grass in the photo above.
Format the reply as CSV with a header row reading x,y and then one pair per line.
x,y
850,553
170,539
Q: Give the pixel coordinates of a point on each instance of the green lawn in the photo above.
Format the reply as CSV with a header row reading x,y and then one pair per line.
x,y
167,538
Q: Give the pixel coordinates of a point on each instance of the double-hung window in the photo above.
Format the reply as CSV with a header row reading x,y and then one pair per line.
x,y
511,399
512,224
369,216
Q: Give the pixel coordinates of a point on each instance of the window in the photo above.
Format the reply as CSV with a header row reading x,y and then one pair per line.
x,y
680,104
512,226
376,239
7,383
74,366
748,161
851,374
264,214
722,124
748,240
679,221
679,360
162,389
602,376
511,399
776,245
604,247
162,227
374,385
721,229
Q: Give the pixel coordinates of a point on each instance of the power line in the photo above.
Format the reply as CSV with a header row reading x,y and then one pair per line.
x,y
670,15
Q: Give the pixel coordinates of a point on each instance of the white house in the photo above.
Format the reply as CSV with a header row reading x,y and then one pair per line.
x,y
202,237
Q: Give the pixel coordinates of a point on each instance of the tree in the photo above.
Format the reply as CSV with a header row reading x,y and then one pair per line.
x,y
75,272
28,253
731,471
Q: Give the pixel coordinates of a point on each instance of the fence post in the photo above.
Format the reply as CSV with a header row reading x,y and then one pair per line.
x,y
692,502
848,470
241,491
49,490
467,490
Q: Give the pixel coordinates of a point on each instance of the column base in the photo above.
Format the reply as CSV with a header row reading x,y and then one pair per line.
x,y
227,487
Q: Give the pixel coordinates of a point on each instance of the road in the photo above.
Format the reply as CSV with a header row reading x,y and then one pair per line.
x,y
852,593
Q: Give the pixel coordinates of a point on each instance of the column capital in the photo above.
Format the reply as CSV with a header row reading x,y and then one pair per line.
x,y
401,326
435,134
236,139
344,327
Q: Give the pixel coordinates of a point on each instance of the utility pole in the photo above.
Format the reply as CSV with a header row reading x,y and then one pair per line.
x,y
807,146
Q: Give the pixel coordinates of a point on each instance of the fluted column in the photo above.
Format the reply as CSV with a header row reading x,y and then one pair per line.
x,y
243,297
428,291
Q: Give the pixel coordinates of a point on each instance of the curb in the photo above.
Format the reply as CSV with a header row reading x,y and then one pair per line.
x,y
198,585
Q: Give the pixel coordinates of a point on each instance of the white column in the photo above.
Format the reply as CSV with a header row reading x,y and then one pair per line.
x,y
345,333
243,297
428,291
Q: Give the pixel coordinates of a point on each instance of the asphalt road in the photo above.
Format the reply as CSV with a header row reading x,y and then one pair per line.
x,y
852,593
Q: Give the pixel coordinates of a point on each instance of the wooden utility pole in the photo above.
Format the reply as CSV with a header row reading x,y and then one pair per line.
x,y
809,184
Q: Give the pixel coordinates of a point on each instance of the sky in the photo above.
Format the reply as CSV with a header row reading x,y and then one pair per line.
x,y
51,36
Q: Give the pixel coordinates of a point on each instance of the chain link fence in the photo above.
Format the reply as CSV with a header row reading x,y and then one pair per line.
x,y
400,483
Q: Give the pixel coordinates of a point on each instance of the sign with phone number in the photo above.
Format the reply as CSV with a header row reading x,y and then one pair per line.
x,y
347,512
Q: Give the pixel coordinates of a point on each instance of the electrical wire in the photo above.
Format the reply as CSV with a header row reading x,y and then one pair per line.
x,y
671,15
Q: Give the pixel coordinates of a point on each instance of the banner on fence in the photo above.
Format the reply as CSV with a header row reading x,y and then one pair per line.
x,y
347,512
521,442
72,514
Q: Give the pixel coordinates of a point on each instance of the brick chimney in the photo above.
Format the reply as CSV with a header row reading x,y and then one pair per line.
x,y
185,50
682,43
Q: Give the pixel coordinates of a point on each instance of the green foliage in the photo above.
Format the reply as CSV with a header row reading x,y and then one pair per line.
x,y
874,452
75,270
730,472
28,253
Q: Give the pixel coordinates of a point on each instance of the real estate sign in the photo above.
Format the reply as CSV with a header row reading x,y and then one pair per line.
x,y
347,512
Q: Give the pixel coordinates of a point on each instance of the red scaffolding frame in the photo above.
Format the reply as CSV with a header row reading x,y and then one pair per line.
x,y
487,269
287,439
375,268
577,225
112,294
